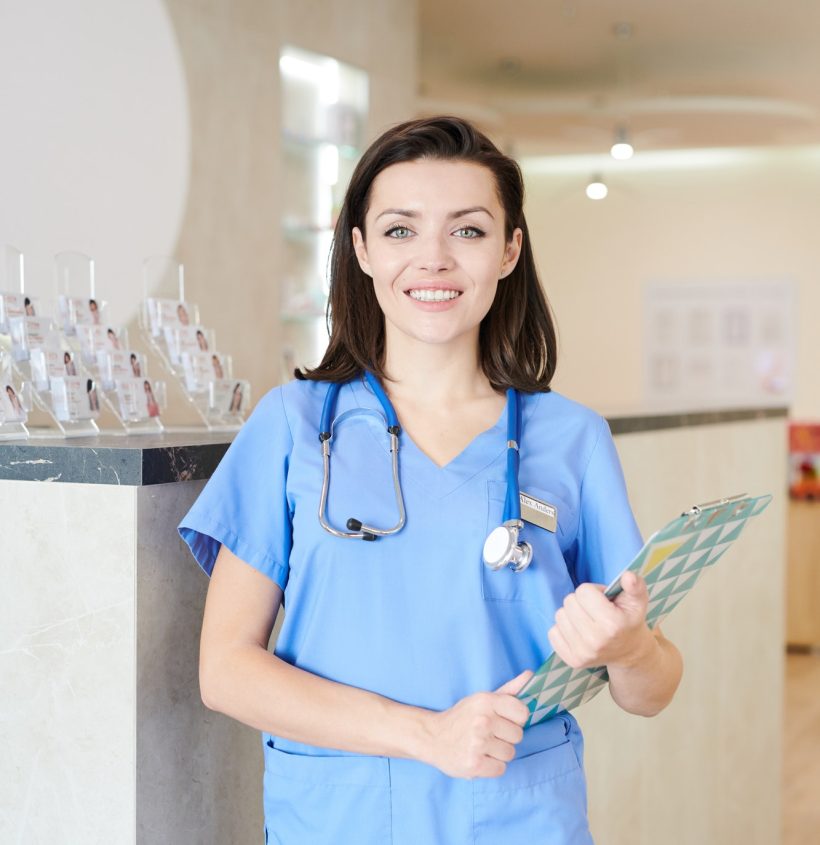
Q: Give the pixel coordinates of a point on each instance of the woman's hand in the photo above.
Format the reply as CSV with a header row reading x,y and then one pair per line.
x,y
476,737
590,630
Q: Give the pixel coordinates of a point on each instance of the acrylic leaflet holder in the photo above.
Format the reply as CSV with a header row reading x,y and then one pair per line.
x,y
188,351
671,561
15,400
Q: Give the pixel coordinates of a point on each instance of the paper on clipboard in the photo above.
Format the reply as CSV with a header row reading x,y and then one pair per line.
x,y
671,561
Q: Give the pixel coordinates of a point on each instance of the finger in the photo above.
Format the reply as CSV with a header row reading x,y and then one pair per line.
x,y
510,708
507,731
567,627
635,595
583,623
592,599
500,750
562,647
490,768
516,684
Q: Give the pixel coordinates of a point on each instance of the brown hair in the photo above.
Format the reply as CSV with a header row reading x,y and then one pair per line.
x,y
517,339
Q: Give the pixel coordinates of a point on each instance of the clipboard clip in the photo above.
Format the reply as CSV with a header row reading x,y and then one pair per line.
x,y
695,510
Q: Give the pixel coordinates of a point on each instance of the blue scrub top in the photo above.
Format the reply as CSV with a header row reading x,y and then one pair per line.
x,y
417,616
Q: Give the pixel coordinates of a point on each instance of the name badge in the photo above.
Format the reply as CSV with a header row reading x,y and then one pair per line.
x,y
538,513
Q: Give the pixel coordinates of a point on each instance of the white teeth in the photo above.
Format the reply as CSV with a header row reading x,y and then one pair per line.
x,y
433,295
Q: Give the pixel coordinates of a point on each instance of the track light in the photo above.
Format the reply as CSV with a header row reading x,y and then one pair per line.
x,y
622,149
596,189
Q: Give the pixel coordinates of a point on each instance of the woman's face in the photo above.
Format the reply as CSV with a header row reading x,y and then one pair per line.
x,y
435,248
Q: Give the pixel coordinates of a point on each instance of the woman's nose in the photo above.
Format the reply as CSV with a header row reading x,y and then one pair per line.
x,y
434,254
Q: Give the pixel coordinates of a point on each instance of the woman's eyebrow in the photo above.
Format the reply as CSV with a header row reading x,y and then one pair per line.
x,y
404,212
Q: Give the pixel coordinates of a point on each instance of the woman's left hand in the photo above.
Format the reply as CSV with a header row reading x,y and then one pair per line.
x,y
590,630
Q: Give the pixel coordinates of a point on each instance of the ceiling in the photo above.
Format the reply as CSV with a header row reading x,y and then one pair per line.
x,y
558,76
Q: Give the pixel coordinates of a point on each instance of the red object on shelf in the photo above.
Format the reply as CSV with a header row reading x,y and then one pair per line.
x,y
804,460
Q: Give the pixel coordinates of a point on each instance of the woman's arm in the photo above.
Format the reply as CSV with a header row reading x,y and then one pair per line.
x,y
590,630
241,678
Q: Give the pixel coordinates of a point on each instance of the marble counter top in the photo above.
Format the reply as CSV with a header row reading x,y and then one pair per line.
x,y
141,461
131,460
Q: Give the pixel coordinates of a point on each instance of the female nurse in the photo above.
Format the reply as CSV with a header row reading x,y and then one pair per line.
x,y
388,710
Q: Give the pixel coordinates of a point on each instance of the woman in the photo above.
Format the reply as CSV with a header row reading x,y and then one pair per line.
x,y
93,399
17,412
151,404
70,368
388,710
236,399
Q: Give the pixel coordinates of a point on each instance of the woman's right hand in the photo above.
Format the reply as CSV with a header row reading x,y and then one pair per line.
x,y
476,737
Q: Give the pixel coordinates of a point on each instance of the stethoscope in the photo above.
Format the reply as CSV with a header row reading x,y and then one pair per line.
x,y
501,548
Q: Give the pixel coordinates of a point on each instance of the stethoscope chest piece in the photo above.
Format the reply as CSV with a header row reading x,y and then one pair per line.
x,y
501,548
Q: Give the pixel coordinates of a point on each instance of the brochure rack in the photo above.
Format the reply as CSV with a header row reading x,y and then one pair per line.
x,y
171,329
103,354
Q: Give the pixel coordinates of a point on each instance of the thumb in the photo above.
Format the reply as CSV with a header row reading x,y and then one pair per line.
x,y
634,593
516,684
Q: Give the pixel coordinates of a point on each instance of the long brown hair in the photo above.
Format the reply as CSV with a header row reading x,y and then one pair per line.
x,y
517,339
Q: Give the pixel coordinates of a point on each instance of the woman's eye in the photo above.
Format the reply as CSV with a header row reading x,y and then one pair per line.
x,y
469,232
398,232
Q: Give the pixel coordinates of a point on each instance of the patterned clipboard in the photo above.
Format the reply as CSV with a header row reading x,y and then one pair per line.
x,y
672,561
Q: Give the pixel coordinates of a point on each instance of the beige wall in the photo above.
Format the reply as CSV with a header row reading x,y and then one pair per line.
x,y
230,240
746,217
707,769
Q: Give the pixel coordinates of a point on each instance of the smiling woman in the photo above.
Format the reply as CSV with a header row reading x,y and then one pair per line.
x,y
435,203
389,709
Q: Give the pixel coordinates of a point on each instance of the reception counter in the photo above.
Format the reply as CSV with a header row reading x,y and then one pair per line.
x,y
106,739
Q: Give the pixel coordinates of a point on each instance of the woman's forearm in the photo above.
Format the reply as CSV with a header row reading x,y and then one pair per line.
x,y
647,683
261,690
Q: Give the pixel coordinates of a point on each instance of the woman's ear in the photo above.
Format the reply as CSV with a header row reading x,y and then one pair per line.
x,y
512,251
360,249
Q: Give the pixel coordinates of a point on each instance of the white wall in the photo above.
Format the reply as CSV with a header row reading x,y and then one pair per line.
x,y
133,129
700,217
95,146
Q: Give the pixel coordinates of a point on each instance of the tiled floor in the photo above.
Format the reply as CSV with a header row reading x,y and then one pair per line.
x,y
801,740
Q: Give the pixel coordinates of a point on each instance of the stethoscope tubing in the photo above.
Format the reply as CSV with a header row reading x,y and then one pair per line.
x,y
359,530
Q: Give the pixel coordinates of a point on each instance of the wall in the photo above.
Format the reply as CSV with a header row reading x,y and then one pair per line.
x,y
697,216
707,769
138,129
230,240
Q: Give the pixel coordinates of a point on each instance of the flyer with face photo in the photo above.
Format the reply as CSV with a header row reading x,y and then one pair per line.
x,y
137,399
15,305
74,398
167,313
47,364
228,397
94,339
116,365
182,339
11,406
78,311
29,333
201,368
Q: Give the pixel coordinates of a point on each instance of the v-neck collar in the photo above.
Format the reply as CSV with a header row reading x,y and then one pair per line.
x,y
479,454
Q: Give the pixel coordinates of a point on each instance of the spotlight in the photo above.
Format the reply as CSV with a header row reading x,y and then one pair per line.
x,y
596,189
622,149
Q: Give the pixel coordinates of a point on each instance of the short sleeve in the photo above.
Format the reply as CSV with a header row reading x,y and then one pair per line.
x,y
244,505
608,536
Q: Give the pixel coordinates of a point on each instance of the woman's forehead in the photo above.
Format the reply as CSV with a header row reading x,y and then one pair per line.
x,y
428,184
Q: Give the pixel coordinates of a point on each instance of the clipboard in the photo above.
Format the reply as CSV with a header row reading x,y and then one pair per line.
x,y
671,561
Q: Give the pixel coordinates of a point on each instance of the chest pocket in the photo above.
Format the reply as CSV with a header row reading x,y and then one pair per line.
x,y
547,579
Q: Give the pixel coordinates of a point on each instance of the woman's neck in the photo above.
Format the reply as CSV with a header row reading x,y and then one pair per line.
x,y
440,374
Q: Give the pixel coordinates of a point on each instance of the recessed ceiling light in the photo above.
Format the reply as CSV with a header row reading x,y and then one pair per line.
x,y
596,189
621,149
